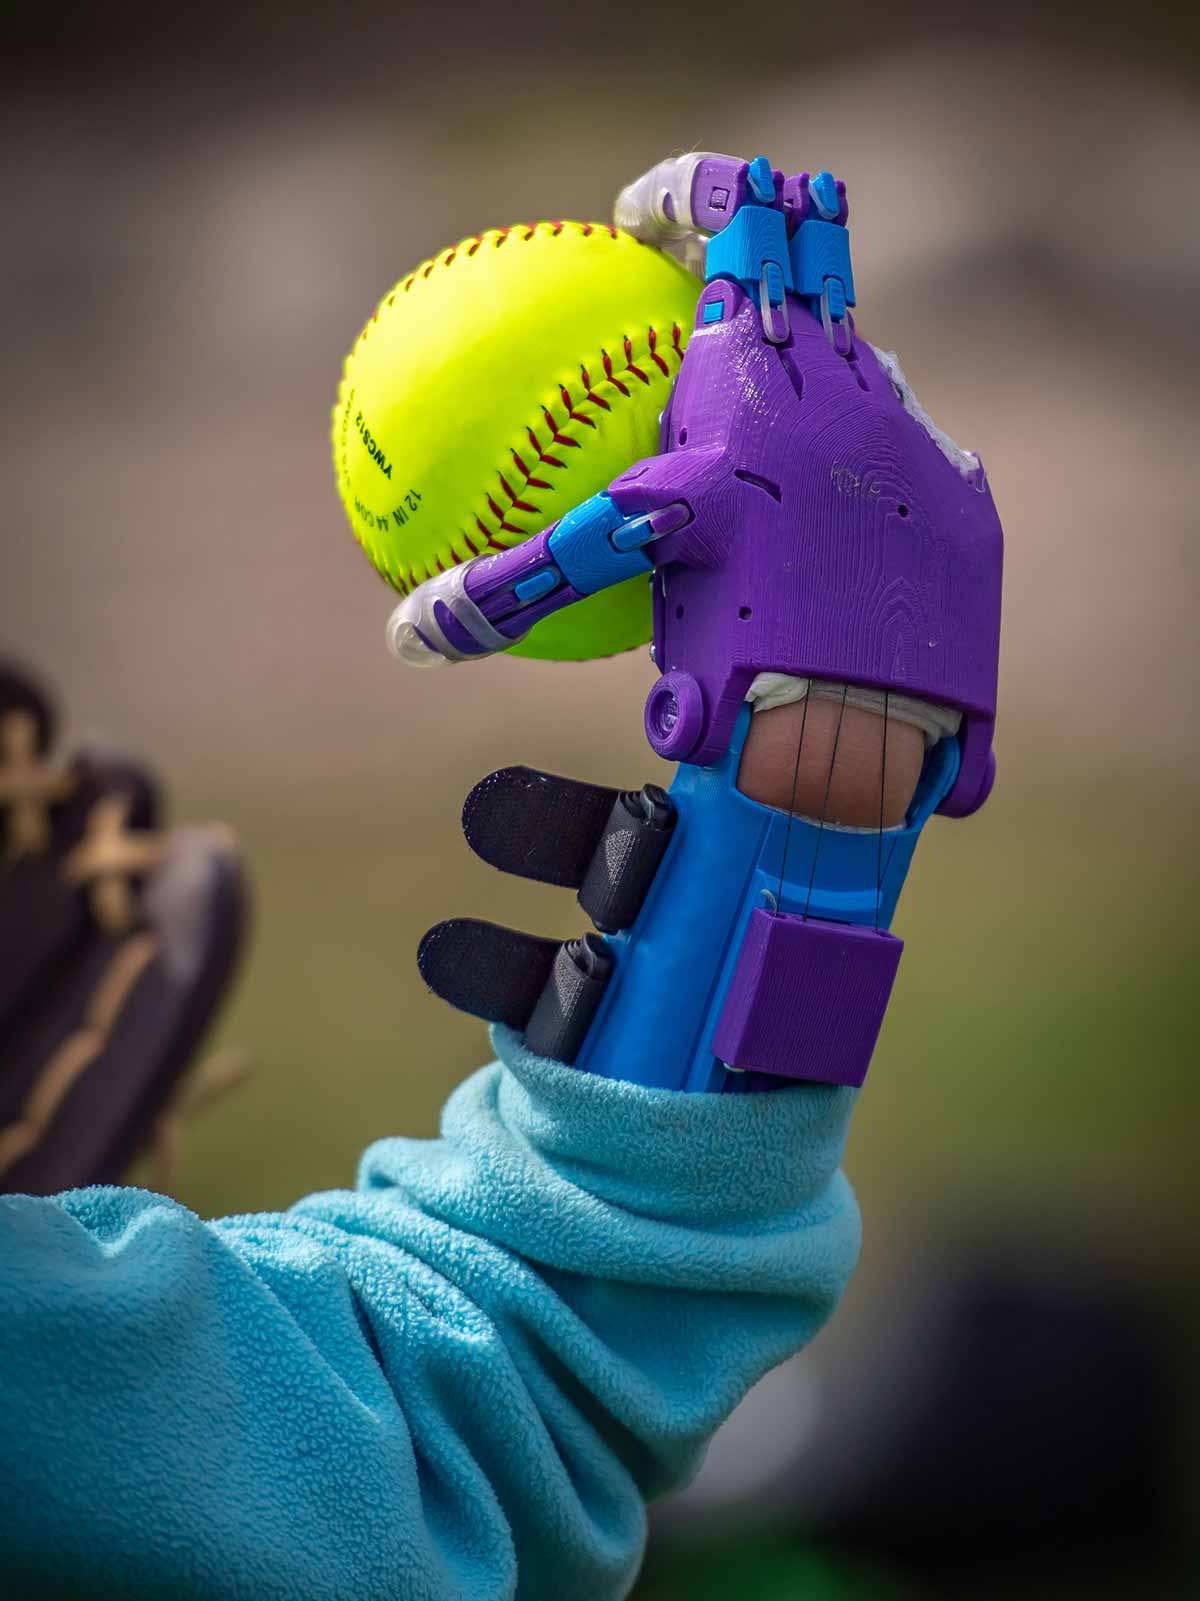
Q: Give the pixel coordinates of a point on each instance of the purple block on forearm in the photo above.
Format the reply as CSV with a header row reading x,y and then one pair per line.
x,y
807,998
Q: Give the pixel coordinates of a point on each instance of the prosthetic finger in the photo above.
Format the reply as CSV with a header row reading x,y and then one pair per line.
x,y
492,602
606,843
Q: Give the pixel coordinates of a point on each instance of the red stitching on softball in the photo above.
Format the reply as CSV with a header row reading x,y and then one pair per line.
x,y
518,503
501,520
559,439
551,461
576,416
611,376
556,226
596,400
489,542
572,414
530,480
629,362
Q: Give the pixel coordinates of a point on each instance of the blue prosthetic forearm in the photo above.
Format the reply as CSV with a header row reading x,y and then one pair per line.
x,y
730,857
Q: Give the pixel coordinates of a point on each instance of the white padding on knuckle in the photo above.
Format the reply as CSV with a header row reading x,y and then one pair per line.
x,y
964,460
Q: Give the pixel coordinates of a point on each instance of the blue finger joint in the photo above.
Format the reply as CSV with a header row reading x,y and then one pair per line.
x,y
820,254
754,241
586,551
761,180
823,189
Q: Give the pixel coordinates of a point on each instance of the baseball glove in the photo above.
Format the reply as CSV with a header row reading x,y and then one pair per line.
x,y
118,939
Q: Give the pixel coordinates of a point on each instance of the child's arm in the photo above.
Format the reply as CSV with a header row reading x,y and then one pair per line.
x,y
470,1371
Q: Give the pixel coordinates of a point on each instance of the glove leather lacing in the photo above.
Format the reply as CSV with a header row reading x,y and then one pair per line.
x,y
29,786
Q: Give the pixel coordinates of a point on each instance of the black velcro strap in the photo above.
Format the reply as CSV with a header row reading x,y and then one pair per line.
x,y
537,825
568,1003
492,972
637,833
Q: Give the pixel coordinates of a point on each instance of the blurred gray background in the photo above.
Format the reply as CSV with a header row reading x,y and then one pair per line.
x,y
199,215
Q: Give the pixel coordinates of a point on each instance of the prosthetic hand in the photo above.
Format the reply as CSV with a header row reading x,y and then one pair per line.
x,y
817,549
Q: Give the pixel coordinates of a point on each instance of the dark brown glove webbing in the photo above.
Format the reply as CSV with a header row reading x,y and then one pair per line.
x,y
118,939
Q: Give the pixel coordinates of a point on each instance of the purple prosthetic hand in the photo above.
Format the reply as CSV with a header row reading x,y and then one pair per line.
x,y
803,517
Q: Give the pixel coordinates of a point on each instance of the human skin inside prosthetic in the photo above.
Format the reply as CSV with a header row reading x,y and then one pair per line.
x,y
843,772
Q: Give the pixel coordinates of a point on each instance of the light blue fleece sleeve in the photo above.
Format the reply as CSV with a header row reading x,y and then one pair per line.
x,y
459,1381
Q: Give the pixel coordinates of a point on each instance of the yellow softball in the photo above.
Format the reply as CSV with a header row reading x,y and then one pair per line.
x,y
499,385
